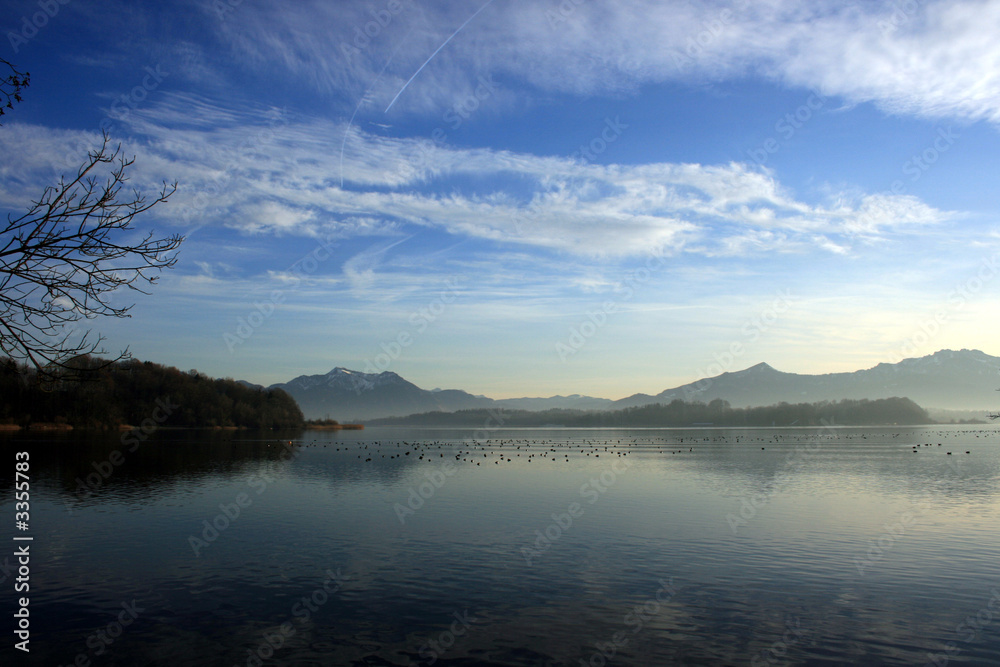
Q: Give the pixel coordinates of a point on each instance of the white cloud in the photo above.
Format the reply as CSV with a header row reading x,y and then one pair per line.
x,y
271,216
284,179
940,60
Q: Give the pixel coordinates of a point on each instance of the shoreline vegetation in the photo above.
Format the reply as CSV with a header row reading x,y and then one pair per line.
x,y
125,395
49,426
134,395
331,425
678,413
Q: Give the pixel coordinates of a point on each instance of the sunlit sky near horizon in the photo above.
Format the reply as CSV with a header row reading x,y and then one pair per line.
x,y
527,199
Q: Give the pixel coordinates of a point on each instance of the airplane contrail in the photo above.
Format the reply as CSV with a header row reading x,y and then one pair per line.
x,y
364,98
443,44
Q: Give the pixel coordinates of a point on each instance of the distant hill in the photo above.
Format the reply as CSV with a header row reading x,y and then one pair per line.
x,y
956,380
343,393
573,402
949,379
346,394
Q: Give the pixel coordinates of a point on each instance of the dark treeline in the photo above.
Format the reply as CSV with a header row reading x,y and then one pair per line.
x,y
131,391
680,414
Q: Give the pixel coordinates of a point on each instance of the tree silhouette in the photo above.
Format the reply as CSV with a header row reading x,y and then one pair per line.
x,y
128,392
61,261
11,85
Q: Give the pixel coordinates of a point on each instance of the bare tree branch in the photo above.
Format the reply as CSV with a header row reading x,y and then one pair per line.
x,y
61,262
11,84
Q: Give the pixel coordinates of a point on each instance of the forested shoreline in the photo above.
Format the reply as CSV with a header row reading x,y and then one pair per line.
x,y
101,395
679,413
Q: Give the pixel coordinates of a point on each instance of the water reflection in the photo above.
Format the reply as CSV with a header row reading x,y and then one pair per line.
x,y
229,543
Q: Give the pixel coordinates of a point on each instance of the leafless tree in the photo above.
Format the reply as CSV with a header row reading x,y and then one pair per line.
x,y
11,85
61,261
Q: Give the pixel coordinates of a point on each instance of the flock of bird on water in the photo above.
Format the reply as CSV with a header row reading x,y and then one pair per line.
x,y
507,450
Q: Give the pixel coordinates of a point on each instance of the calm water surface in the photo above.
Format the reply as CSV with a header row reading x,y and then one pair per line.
x,y
539,547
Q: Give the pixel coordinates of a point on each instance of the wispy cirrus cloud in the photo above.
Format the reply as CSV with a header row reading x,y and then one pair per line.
x,y
935,59
290,184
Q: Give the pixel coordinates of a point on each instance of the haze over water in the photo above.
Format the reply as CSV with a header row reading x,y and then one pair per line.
x,y
556,547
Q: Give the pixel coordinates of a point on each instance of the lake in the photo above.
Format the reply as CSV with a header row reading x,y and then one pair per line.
x,y
826,546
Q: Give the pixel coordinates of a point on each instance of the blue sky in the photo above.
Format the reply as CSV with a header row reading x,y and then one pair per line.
x,y
535,198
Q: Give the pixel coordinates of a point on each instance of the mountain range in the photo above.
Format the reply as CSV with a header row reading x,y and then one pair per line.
x,y
948,379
